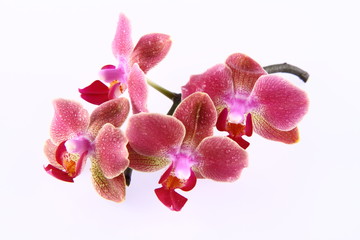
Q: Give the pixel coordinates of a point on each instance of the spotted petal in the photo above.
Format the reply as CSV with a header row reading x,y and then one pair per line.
x,y
245,72
70,120
143,163
264,129
281,103
111,189
216,82
110,151
137,90
154,134
114,111
221,159
122,45
150,50
198,114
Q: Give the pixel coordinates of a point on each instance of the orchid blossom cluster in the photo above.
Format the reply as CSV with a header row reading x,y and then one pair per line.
x,y
237,97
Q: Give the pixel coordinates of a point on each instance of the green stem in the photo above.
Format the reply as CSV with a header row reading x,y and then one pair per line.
x,y
162,90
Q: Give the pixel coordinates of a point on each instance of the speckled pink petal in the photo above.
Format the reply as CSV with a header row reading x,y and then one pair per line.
x,y
170,198
245,72
267,131
95,93
143,163
153,134
216,82
221,159
198,114
150,50
70,120
111,189
114,111
122,44
281,103
110,151
138,90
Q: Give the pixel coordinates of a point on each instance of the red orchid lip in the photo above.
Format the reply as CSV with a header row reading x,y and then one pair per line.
x,y
58,174
96,93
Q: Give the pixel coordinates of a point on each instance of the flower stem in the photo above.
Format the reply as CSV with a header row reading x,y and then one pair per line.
x,y
287,68
175,97
176,101
162,90
127,174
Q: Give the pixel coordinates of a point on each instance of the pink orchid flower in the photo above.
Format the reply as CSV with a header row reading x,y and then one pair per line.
x,y
76,136
247,99
185,142
133,63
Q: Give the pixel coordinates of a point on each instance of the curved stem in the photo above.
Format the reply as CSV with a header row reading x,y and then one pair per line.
x,y
176,101
162,90
175,97
287,68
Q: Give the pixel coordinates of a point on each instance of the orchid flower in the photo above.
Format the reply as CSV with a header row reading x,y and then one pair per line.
x,y
184,142
76,136
133,63
247,99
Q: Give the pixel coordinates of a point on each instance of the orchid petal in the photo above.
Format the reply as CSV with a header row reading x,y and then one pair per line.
x,y
95,93
72,163
222,120
115,91
216,82
57,173
108,75
145,163
122,44
137,89
114,111
154,134
70,120
281,103
110,151
266,130
150,50
170,198
50,151
190,182
221,159
245,72
198,114
111,189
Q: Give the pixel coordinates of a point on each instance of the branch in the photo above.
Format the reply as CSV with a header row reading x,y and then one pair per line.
x,y
287,68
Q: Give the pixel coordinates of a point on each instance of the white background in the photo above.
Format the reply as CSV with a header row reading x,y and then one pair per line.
x,y
309,190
